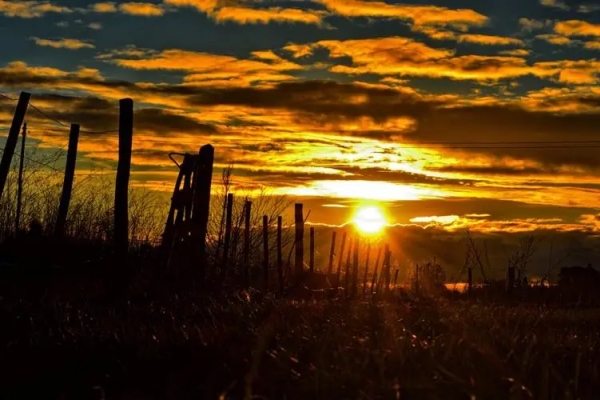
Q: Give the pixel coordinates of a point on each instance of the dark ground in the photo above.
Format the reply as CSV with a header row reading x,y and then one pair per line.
x,y
78,343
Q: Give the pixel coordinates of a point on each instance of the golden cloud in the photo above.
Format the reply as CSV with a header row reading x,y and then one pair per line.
x,y
555,4
142,9
555,39
419,15
403,56
490,40
71,44
30,9
104,7
245,15
206,69
577,28
515,53
223,11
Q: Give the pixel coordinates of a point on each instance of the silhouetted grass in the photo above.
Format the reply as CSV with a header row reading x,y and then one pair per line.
x,y
153,343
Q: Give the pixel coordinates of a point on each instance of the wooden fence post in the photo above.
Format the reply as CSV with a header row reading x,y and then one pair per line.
x,y
299,221
65,198
279,253
469,281
355,268
347,272
331,254
374,280
366,269
247,216
121,235
20,187
374,283
13,136
341,259
417,279
312,250
201,203
228,226
384,276
396,278
266,250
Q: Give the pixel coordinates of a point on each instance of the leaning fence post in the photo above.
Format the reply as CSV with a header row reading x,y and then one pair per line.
x,y
248,213
341,259
331,254
13,137
121,237
469,281
201,204
279,250
355,268
366,269
65,198
312,250
20,187
374,280
228,226
347,272
299,220
266,250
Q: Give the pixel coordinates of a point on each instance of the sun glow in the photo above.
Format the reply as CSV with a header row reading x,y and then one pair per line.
x,y
369,220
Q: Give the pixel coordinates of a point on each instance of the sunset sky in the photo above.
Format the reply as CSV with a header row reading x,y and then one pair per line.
x,y
441,111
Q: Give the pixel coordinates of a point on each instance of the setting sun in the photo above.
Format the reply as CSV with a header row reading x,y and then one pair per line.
x,y
369,220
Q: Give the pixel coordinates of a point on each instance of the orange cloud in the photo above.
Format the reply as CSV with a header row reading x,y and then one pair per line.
x,y
71,44
245,15
223,11
30,9
490,40
403,56
420,15
104,7
555,39
515,53
555,4
577,28
594,45
210,69
142,9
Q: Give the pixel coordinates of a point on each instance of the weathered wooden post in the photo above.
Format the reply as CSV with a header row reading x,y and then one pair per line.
x,y
417,279
341,259
510,282
312,250
279,253
384,276
13,137
266,250
355,267
299,221
228,227
20,187
65,198
201,203
347,272
469,281
247,216
374,280
366,269
121,233
331,254
396,278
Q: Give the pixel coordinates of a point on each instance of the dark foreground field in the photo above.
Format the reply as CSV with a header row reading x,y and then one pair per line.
x,y
247,345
